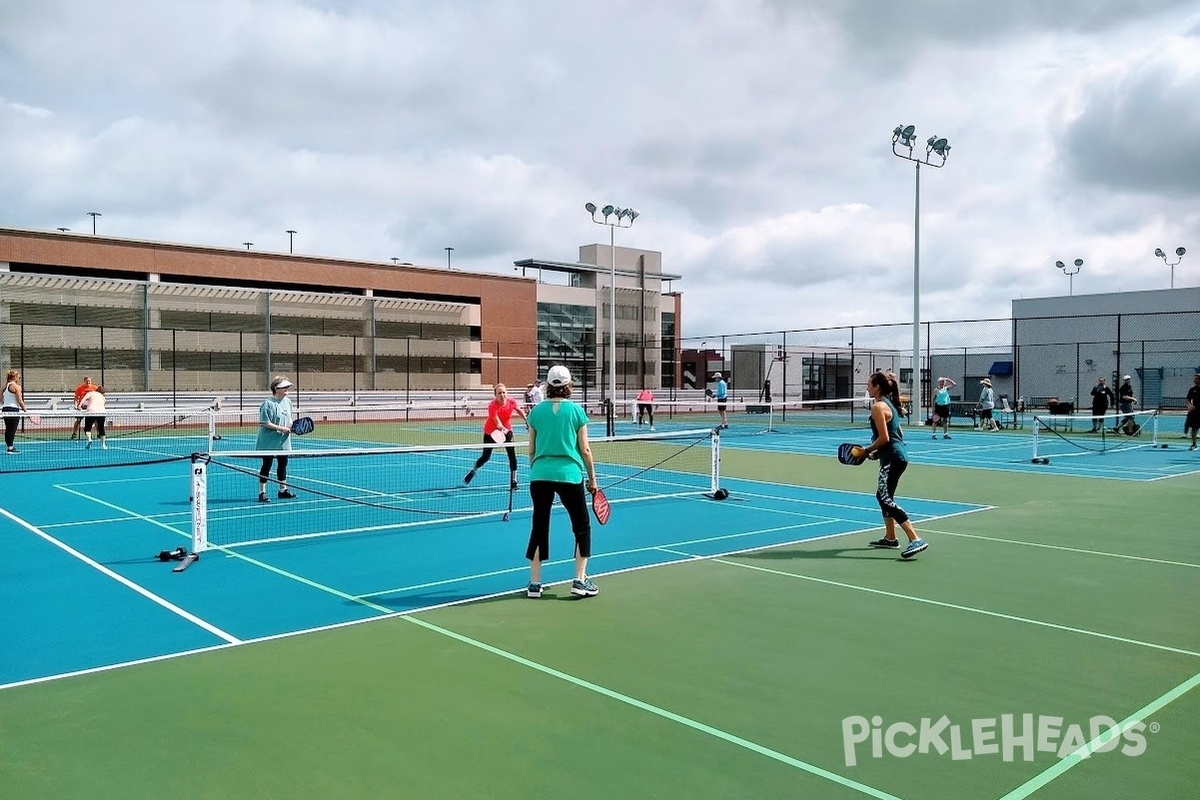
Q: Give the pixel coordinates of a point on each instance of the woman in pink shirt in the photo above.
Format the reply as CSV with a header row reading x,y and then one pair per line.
x,y
645,404
499,418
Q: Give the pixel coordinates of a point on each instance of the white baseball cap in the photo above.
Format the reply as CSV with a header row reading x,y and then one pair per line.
x,y
716,374
558,375
1127,378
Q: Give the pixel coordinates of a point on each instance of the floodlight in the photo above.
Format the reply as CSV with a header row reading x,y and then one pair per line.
x,y
939,146
634,215
607,211
909,133
1158,252
1179,251
590,208
1060,265
1079,262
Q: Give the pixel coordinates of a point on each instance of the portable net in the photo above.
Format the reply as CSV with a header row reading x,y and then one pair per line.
x,y
135,436
371,491
748,418
1065,435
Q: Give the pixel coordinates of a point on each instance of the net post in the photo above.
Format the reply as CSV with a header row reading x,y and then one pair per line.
x,y
715,469
1036,424
199,502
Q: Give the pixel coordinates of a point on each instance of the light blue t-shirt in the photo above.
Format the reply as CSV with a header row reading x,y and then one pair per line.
x,y
556,423
942,398
275,412
987,398
722,390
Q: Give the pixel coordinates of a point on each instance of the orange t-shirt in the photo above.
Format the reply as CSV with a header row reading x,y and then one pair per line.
x,y
646,396
81,390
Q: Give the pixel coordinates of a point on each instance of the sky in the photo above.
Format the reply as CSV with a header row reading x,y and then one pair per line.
x,y
753,136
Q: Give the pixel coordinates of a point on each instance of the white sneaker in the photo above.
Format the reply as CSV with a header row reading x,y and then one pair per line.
x,y
104,445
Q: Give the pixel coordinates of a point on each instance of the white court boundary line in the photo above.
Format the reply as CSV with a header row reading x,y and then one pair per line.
x,y
121,579
1123,556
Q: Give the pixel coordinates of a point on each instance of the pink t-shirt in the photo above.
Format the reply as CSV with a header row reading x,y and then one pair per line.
x,y
502,411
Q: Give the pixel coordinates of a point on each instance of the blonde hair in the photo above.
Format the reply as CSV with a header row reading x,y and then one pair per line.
x,y
12,375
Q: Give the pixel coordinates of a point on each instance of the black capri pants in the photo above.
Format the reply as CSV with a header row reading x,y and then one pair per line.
x,y
573,497
280,470
97,422
885,492
487,451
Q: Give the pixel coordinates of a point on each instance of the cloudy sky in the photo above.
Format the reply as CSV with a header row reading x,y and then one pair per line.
x,y
754,136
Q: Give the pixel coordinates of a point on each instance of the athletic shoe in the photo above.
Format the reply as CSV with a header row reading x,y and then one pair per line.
x,y
914,547
88,445
513,484
890,544
12,451
945,436
470,476
935,437
1193,447
287,494
533,590
585,588
652,429
262,497
103,445
75,436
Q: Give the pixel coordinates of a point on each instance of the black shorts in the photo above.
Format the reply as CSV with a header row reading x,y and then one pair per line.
x,y
1192,420
985,413
942,411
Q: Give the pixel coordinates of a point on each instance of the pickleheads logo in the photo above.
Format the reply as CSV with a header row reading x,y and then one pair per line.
x,y
1005,736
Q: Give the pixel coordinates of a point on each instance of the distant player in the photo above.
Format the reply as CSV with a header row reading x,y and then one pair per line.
x,y
721,395
81,390
499,419
274,434
93,404
645,406
941,406
1192,421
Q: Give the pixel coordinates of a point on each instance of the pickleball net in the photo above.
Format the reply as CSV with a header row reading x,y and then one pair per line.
x,y
341,492
747,418
1072,435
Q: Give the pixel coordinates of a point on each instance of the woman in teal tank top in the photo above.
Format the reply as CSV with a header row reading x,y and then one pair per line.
x,y
887,446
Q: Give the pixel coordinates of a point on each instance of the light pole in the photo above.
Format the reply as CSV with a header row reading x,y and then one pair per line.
x,y
904,136
64,230
621,218
247,244
1179,251
1070,273
395,260
93,215
448,250
290,234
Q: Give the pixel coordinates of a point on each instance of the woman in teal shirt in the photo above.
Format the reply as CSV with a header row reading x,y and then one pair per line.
x,y
887,445
559,455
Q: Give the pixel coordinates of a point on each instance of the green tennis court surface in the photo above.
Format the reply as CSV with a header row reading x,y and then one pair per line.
x,y
716,662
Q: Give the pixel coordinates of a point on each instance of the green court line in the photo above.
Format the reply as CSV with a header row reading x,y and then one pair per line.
x,y
955,606
659,712
121,579
1125,556
1038,781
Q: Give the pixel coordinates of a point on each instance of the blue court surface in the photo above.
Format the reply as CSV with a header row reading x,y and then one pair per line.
x,y
81,587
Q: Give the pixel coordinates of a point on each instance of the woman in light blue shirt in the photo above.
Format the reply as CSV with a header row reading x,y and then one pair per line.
x,y
275,434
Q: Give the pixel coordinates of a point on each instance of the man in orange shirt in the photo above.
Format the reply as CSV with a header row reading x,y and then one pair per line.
x,y
80,391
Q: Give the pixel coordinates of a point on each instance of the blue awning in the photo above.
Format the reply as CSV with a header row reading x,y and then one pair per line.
x,y
1001,368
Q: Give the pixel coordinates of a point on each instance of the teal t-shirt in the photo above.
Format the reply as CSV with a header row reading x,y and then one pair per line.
x,y
556,423
276,412
894,450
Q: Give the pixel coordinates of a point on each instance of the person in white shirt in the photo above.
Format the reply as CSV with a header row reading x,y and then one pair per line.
x,y
93,405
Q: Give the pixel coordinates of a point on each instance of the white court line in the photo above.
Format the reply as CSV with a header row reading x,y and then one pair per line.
x,y
1038,781
121,579
1124,556
954,606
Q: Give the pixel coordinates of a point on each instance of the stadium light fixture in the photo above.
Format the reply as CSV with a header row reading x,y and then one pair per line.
x,y
624,219
1179,251
1071,273
291,233
448,250
937,150
93,215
